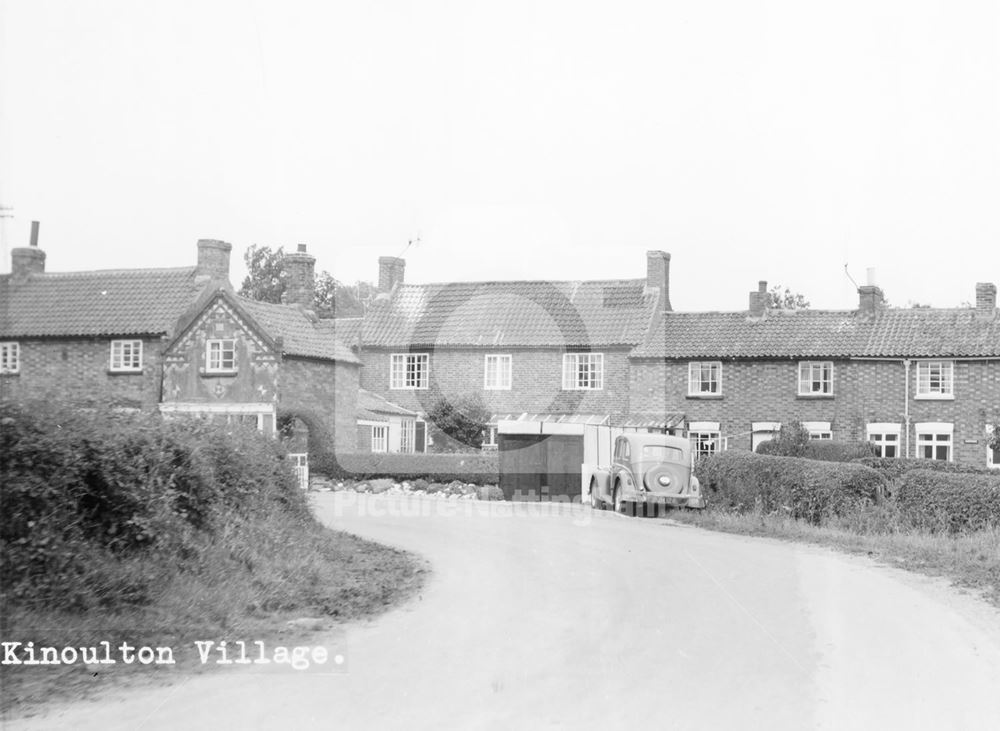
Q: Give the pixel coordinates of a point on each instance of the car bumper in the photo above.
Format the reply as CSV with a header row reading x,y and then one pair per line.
x,y
674,501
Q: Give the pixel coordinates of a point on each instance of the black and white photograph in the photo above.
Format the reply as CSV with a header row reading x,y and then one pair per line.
x,y
541,364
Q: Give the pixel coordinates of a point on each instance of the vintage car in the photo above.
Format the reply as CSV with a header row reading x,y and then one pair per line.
x,y
647,469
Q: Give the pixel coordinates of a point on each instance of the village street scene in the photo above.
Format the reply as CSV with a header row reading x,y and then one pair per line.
x,y
420,366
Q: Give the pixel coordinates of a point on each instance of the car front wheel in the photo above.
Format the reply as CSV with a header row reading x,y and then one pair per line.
x,y
595,500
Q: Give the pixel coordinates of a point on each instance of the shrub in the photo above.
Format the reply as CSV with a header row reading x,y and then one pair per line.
x,y
458,425
478,467
940,500
87,494
802,488
489,492
830,451
792,440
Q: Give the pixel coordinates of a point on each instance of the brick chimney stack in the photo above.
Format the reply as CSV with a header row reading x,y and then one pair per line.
x,y
300,282
758,300
390,272
871,300
213,260
658,277
986,298
27,260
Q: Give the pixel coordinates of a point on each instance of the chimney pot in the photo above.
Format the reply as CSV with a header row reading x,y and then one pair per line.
x,y
300,278
658,277
986,297
213,260
391,270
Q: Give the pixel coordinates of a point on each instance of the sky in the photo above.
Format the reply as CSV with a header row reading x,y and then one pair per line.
x,y
774,141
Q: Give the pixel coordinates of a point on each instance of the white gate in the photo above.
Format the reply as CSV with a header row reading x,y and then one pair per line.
x,y
301,462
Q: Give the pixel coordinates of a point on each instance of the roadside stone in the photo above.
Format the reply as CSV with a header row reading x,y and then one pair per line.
x,y
380,486
307,623
420,484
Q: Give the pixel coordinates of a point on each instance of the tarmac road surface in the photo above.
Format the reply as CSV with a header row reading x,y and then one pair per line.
x,y
555,617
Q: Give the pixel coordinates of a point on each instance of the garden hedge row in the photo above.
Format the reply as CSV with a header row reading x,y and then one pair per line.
x,y
86,493
481,468
895,467
941,500
820,449
802,488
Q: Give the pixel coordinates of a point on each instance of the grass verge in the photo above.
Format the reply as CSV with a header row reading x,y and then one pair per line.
x,y
970,560
281,569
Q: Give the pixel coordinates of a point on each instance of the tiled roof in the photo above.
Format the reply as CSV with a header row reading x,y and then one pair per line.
x,y
374,408
511,314
824,333
300,334
98,303
348,329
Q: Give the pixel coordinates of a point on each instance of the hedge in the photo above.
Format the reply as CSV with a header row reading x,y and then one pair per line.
x,y
481,468
939,500
87,493
820,449
803,488
895,467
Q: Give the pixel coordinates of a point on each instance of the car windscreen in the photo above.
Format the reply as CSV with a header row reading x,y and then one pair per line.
x,y
663,453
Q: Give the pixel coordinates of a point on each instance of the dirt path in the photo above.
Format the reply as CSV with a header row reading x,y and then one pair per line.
x,y
543,620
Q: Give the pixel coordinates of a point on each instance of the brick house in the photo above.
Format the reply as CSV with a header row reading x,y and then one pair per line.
x,y
915,382
94,336
178,340
543,348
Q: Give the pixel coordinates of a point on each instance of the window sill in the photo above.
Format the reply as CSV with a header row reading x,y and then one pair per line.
x,y
5,374
217,374
705,396
811,396
934,397
407,388
583,389
123,372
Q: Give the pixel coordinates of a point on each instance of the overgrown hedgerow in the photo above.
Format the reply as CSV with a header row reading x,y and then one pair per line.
x,y
99,506
955,502
800,488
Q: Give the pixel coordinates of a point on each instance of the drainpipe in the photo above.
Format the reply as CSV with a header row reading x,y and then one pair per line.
x,y
906,405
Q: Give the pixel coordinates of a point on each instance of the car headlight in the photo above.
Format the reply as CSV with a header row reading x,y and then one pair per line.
x,y
664,480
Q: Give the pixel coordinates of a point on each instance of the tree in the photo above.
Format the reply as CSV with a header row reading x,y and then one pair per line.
x,y
265,282
458,425
785,299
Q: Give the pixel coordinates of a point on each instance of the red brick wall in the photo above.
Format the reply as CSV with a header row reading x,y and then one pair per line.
x,y
326,388
77,369
864,392
536,381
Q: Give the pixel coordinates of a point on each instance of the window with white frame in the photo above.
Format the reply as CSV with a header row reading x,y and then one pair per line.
x,y
409,371
818,429
705,378
935,379
705,438
490,436
10,357
380,438
407,432
816,378
885,439
934,441
220,355
126,355
992,452
496,373
583,371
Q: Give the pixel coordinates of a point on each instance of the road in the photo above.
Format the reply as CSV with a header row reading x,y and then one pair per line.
x,y
559,618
